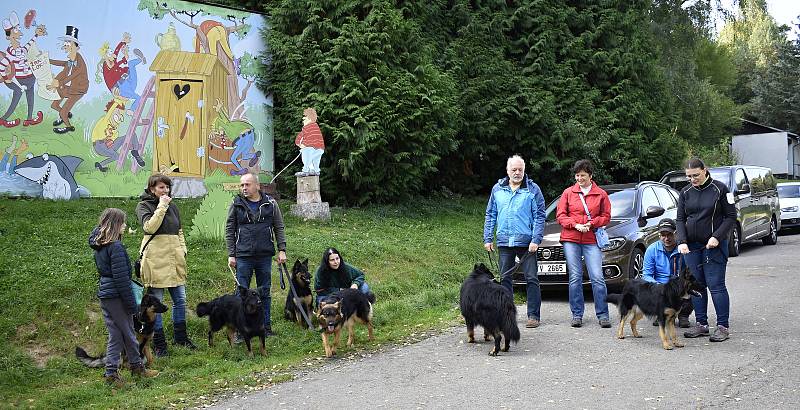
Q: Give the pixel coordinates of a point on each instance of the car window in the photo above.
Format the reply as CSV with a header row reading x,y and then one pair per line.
x,y
756,177
789,191
721,175
667,201
676,180
649,199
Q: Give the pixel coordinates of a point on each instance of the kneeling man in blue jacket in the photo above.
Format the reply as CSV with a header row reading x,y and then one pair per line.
x,y
663,261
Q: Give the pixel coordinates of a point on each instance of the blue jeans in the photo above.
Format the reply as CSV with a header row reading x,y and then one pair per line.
x,y
593,257
127,87
178,295
529,268
708,267
243,150
262,267
364,288
311,158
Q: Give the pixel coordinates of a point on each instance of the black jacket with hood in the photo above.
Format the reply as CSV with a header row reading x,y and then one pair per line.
x,y
114,267
249,233
705,211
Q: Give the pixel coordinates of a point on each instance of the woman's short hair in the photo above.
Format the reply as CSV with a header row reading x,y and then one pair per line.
x,y
155,179
583,165
693,163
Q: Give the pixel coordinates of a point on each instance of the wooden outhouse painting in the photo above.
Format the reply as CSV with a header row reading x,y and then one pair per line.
x,y
187,87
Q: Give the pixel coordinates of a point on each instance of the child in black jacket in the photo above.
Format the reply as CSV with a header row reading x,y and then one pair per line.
x,y
116,297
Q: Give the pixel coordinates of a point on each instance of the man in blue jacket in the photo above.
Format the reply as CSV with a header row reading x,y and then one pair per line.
x,y
516,209
663,261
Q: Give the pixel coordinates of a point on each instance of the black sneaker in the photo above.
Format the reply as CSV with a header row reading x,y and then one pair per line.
x,y
576,322
605,323
268,332
683,322
697,331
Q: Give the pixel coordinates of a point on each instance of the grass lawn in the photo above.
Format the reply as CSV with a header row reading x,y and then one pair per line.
x,y
414,255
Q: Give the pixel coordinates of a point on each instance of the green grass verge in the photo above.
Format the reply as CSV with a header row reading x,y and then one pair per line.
x,y
415,257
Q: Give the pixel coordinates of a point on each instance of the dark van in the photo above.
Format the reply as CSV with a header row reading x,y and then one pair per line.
x,y
758,211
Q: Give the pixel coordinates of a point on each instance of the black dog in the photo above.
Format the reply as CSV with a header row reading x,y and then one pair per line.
x,y
242,313
301,279
344,308
640,298
486,303
143,323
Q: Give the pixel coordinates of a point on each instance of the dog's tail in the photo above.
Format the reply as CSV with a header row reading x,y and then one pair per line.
x,y
509,326
89,361
614,298
371,297
203,309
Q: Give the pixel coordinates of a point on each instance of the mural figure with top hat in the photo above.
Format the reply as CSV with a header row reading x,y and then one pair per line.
x,y
71,83
16,73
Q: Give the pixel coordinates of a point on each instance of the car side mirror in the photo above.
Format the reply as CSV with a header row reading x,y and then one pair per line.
x,y
744,190
653,211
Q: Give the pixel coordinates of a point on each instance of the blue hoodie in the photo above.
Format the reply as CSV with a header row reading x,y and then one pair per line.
x,y
518,215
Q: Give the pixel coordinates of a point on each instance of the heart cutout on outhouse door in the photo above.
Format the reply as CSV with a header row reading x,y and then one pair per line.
x,y
181,92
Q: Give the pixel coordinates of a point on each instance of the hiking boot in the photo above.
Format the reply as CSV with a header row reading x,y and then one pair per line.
x,y
605,323
683,322
697,331
141,371
114,380
576,322
159,343
532,323
721,334
268,332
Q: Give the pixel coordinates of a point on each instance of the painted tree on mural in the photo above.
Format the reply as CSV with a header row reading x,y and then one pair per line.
x,y
249,69
211,37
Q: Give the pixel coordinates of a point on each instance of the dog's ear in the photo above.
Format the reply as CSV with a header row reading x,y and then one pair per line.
x,y
241,290
305,262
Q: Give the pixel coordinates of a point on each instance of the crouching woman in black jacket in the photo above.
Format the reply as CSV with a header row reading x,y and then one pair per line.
x,y
116,297
706,215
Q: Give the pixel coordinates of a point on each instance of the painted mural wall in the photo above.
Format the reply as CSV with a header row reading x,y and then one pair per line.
x,y
97,95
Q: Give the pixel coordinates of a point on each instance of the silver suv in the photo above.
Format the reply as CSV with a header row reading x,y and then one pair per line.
x,y
758,211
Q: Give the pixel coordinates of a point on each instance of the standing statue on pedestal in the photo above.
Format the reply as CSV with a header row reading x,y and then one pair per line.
x,y
311,143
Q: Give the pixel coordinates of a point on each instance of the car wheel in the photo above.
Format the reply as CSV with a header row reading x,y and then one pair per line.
x,y
636,264
735,241
772,238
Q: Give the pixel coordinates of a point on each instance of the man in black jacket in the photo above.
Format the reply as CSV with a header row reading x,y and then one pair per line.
x,y
706,215
252,218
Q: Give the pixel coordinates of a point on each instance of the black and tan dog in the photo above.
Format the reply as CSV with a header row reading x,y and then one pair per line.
x,y
242,313
344,308
640,298
486,303
301,279
144,324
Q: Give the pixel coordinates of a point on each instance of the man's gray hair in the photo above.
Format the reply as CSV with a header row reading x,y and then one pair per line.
x,y
514,158
255,177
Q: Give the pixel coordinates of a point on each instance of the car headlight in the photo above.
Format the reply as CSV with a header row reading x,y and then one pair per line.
x,y
614,244
790,209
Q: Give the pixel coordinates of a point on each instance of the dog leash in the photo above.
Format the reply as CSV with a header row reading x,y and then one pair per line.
x,y
284,271
513,268
230,268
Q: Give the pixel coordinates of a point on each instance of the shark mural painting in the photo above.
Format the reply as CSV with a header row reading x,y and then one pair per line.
x,y
55,174
139,91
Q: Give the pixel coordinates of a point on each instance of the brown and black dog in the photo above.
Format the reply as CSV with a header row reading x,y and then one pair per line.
x,y
640,298
301,278
344,308
144,324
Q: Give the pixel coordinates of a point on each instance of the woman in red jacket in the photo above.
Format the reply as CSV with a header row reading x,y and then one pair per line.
x,y
577,236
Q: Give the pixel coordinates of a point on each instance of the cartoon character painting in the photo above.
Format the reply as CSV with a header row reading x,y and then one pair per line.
x,y
17,73
311,143
242,135
119,73
10,155
55,174
105,135
71,83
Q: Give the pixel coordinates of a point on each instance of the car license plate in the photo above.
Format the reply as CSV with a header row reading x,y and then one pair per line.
x,y
552,268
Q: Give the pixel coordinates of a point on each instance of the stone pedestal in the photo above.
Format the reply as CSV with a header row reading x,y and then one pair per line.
x,y
309,202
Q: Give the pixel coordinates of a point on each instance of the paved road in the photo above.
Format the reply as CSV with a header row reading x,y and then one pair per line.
x,y
556,366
